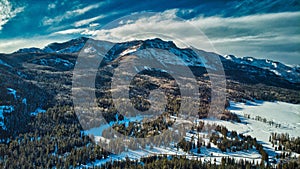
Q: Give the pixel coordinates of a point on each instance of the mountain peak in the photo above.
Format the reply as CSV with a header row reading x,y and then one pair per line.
x,y
291,74
71,46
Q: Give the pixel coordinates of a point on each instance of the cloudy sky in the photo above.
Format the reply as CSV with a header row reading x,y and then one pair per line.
x,y
262,29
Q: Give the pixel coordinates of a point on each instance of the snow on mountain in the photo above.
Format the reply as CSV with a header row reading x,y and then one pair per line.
x,y
190,58
29,50
4,63
72,46
286,114
4,109
56,61
12,92
291,74
187,55
8,109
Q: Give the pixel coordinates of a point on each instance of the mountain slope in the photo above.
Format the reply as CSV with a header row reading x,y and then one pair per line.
x,y
44,76
291,74
74,46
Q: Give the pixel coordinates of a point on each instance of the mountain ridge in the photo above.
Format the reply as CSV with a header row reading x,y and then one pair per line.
x,y
44,77
73,46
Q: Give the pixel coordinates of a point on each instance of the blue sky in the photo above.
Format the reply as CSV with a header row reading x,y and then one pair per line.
x,y
263,29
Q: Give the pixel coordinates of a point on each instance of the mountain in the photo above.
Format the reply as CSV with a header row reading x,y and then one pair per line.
x,y
37,112
43,77
291,74
72,46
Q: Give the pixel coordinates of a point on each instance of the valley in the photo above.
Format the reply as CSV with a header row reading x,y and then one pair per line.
x,y
38,117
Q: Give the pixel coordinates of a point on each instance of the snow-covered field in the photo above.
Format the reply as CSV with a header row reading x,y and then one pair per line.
x,y
97,131
285,114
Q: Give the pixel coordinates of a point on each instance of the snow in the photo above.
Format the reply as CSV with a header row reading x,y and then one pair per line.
x,y
170,55
250,59
56,61
48,50
37,111
24,101
276,72
21,74
229,57
286,114
289,73
72,49
4,63
130,50
63,61
89,50
97,131
136,69
12,92
205,155
147,68
188,60
6,109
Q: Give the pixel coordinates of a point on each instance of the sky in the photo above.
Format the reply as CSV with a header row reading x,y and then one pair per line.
x,y
268,29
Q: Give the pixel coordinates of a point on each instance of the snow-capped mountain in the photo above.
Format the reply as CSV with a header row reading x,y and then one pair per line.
x,y
72,46
35,80
291,74
57,60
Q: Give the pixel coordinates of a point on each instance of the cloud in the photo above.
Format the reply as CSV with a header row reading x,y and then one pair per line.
x,y
51,6
70,31
7,12
274,35
70,14
86,9
87,21
94,24
11,45
264,36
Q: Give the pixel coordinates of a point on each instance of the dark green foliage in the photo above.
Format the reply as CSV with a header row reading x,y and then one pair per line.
x,y
285,142
54,139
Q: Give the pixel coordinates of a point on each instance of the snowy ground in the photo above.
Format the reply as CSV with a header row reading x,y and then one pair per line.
x,y
206,154
97,131
285,114
4,109
10,108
